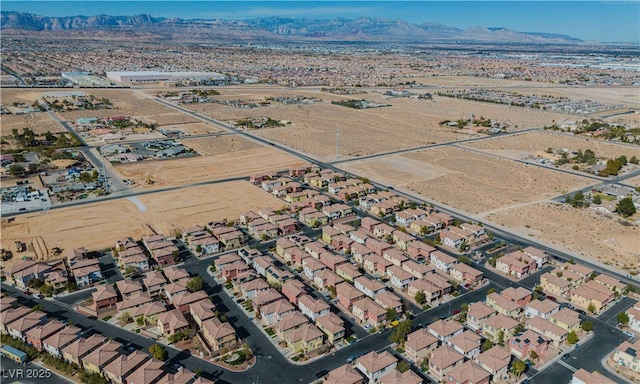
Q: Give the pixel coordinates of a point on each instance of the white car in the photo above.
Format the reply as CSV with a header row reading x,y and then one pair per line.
x,y
37,296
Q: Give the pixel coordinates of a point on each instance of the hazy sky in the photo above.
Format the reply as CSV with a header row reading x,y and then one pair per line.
x,y
588,20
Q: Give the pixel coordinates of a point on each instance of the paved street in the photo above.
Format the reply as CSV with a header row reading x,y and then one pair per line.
x,y
31,373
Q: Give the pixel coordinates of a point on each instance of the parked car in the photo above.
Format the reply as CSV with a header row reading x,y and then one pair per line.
x,y
351,358
37,296
552,298
580,311
456,311
566,356
27,292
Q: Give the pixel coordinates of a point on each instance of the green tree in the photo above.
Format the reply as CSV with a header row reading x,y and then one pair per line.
x,y
487,345
403,366
591,308
195,284
533,355
623,318
420,298
490,291
572,338
126,317
625,207
158,352
597,199
500,337
332,290
587,326
391,314
401,332
16,170
518,367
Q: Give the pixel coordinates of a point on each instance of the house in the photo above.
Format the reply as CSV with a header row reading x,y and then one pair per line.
x,y
584,377
204,244
122,366
477,313
519,295
148,313
442,261
227,259
419,345
377,246
399,277
86,272
503,305
388,300
416,269
395,256
273,312
134,301
344,374
325,279
104,297
445,330
290,322
267,297
251,288
566,319
626,354
154,281
523,344
19,327
78,349
175,275
367,311
348,271
332,326
468,373
201,311
369,286
397,377
554,285
150,372
312,308
465,274
467,343
431,291
231,239
102,356
443,360
305,339
218,334
57,280
183,376
331,260
376,365
283,244
128,287
292,290
133,257
540,257
172,322
35,336
261,263
592,297
311,267
451,239
496,362
402,239
556,334
516,264
183,301
375,264
497,325
634,319
542,308
55,343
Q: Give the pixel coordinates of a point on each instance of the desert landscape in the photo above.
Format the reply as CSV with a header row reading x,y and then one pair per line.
x,y
98,225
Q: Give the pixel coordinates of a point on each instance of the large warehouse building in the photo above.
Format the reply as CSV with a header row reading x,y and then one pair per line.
x,y
155,76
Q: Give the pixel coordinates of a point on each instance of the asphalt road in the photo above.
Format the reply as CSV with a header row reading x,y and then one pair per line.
x,y
31,373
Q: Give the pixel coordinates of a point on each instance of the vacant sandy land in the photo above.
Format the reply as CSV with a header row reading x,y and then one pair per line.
x,y
11,95
539,141
468,81
99,225
211,146
168,118
225,156
123,107
193,128
579,231
38,122
635,181
468,181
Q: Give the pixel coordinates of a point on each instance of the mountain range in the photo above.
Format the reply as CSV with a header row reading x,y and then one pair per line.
x,y
263,30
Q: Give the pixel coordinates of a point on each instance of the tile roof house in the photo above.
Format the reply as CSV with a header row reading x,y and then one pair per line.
x,y
201,311
556,334
495,361
154,281
555,285
251,288
469,373
521,345
399,277
464,274
134,301
348,271
503,305
19,327
332,326
442,261
477,313
492,327
467,343
105,297
387,300
304,339
367,311
443,360
78,349
397,377
127,287
312,308
516,264
542,308
344,374
172,322
325,279
267,297
583,377
376,365
149,373
101,356
419,345
148,312
183,301
274,312
123,365
25,271
626,354
35,336
369,286
445,330
347,294
519,295
290,322
218,334
55,343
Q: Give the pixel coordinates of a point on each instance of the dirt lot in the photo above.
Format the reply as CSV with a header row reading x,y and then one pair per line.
x,y
99,225
581,231
193,128
224,157
38,122
469,181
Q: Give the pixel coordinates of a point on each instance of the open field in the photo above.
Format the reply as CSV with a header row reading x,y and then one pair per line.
x,y
627,96
225,156
468,181
192,128
635,181
529,143
98,226
468,81
38,122
581,231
